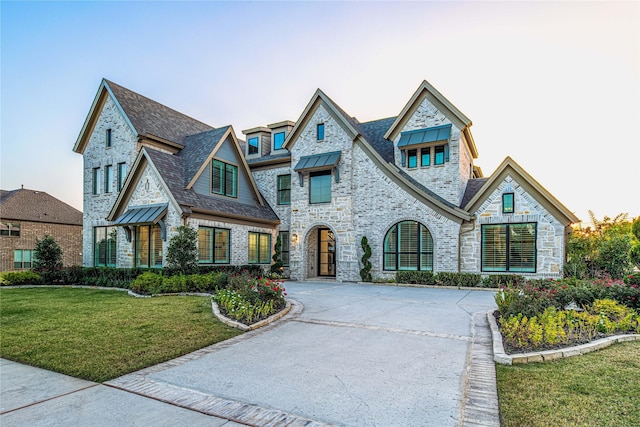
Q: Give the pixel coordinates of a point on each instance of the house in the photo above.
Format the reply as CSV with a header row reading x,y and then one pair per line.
x,y
29,215
408,183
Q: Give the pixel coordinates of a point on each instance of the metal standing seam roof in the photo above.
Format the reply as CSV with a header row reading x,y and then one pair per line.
x,y
142,214
318,161
422,136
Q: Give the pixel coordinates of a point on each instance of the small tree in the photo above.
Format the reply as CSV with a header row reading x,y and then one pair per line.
x,y
182,253
277,265
365,272
47,258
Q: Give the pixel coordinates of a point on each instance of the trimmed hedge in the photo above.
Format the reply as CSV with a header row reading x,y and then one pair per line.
x,y
439,279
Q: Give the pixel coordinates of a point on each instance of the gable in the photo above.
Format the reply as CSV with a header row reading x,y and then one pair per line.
x,y
509,171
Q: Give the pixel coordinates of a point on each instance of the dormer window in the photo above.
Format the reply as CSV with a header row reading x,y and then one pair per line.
x,y
278,140
108,138
412,158
508,205
320,131
224,178
253,145
432,144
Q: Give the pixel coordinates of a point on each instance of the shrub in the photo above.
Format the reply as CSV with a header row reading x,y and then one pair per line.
x,y
47,258
16,278
632,279
182,253
502,280
146,283
468,280
416,277
365,271
527,300
277,266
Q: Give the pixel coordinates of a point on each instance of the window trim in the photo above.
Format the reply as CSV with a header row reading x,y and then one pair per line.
x,y
223,178
282,190
320,132
420,253
320,173
250,146
212,260
260,258
281,143
507,249
505,204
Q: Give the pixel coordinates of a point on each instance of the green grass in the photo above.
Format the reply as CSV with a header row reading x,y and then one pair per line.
x,y
597,389
99,335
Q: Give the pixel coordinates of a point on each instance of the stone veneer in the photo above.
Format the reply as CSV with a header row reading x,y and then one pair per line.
x,y
124,148
550,233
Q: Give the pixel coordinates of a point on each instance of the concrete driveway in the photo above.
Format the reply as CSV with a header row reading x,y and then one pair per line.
x,y
356,355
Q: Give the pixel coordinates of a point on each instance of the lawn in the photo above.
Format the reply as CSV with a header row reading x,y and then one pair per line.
x,y
98,335
597,389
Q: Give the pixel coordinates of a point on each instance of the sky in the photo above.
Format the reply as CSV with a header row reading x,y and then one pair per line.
x,y
554,85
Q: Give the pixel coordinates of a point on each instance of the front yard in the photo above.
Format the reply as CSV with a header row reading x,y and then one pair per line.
x,y
98,335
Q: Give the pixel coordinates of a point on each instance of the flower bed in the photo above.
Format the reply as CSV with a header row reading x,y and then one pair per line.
x,y
249,300
546,314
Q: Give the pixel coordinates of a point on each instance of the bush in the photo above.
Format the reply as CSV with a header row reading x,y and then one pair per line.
x,y
416,277
467,280
502,280
365,271
182,253
147,283
47,258
16,278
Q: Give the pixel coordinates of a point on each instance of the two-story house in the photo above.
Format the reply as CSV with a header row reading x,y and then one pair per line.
x,y
408,183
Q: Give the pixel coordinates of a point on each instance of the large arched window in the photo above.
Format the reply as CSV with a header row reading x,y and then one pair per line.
x,y
408,245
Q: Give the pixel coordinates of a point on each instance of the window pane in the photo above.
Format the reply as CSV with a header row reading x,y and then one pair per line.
x,y
122,173
231,180
156,246
265,249
284,249
278,140
108,138
222,246
204,245
112,233
494,247
507,203
390,261
253,248
522,247
217,176
320,187
142,246
108,179
408,236
412,158
284,189
96,180
408,261
439,155
253,145
425,156
320,131
99,246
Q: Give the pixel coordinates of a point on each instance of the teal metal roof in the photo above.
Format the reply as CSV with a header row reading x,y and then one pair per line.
x,y
318,161
423,136
142,214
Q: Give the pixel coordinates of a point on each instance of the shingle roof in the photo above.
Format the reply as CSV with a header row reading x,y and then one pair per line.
x,y
170,168
37,206
150,117
374,133
197,149
473,186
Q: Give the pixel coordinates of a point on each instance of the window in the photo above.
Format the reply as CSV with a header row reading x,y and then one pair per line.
x,y
10,229
224,178
104,246
213,245
320,131
22,258
259,248
108,178
253,145
507,203
509,247
284,189
320,187
439,155
96,180
408,245
412,158
278,141
148,246
425,156
122,174
285,248
108,138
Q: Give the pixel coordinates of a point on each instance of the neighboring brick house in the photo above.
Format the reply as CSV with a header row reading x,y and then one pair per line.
x,y
27,215
408,183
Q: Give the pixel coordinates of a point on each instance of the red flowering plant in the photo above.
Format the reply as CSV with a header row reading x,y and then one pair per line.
x,y
266,289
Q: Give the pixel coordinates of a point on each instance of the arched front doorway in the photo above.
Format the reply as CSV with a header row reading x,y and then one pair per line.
x,y
321,252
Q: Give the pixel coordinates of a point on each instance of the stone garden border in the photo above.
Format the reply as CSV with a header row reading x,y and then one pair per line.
x,y
499,355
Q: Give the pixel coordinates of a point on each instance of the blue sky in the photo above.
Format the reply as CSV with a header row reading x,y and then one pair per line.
x,y
554,85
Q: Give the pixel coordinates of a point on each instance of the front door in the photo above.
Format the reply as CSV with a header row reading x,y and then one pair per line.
x,y
326,253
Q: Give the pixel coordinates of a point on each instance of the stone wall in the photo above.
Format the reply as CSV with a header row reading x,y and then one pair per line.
x,y
550,233
97,155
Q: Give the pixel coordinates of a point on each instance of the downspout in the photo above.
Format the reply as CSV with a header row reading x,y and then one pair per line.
x,y
473,221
